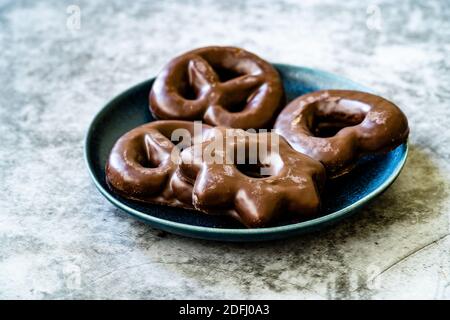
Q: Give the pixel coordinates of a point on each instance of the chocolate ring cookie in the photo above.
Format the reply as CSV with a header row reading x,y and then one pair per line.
x,y
223,86
337,127
254,187
143,160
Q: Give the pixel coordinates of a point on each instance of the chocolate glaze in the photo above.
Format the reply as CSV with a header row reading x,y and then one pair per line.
x,y
337,127
323,131
291,187
223,86
140,165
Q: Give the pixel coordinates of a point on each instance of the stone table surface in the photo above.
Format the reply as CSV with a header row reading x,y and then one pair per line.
x,y
60,239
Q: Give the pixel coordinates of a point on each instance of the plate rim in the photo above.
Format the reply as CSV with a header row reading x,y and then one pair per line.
x,y
316,222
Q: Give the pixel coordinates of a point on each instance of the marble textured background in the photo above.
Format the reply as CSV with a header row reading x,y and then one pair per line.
x,y
59,238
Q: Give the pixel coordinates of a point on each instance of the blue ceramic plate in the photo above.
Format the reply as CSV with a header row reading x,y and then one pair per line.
x,y
342,198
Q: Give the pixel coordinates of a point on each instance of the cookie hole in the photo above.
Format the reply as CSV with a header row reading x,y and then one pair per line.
x,y
225,74
329,126
147,163
146,157
236,106
257,166
258,171
241,100
330,117
150,153
187,91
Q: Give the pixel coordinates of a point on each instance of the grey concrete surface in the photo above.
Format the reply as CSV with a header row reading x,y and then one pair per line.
x,y
60,239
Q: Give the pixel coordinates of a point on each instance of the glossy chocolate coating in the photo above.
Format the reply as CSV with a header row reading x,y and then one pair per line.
x,y
223,86
141,163
141,167
291,186
337,127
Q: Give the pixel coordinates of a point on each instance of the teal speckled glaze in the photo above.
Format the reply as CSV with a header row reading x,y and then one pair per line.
x,y
343,197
